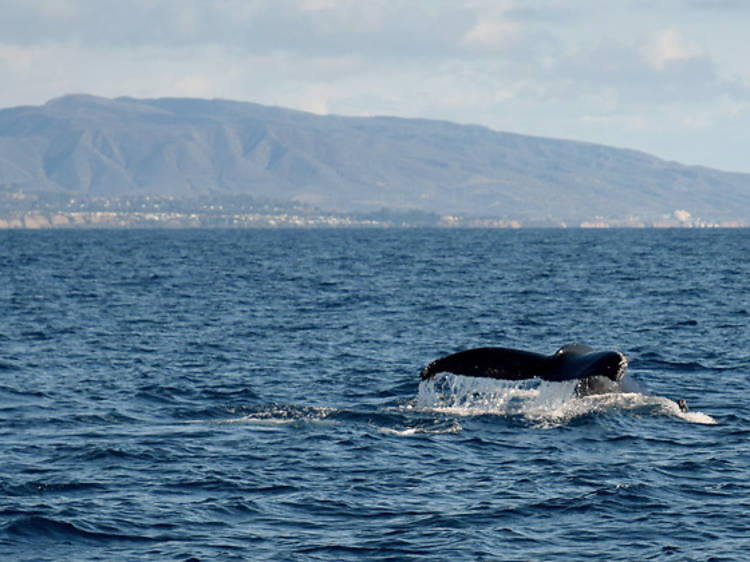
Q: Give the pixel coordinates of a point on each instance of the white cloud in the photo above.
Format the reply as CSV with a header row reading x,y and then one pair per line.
x,y
669,45
194,86
625,122
705,118
318,5
491,35
18,59
57,10
315,99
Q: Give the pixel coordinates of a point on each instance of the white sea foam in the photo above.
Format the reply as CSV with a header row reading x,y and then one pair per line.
x,y
282,415
546,404
673,409
698,417
455,427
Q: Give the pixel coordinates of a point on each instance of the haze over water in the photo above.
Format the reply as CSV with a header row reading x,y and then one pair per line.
x,y
255,394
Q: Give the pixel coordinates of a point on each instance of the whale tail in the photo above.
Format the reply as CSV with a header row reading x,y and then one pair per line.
x,y
570,362
492,362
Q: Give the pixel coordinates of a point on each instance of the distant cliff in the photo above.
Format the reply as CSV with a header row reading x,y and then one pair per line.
x,y
81,145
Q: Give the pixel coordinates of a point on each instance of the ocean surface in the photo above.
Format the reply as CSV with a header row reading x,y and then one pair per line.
x,y
255,395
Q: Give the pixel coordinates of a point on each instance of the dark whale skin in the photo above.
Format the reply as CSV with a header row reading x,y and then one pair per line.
x,y
570,362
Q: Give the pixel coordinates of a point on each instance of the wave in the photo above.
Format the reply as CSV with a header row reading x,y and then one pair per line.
x,y
48,488
8,366
38,527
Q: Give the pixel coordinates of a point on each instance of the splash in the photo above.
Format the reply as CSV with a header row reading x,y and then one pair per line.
x,y
543,403
467,396
471,396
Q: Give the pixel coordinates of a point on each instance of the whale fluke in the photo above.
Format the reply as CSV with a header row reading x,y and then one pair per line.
x,y
570,362
492,362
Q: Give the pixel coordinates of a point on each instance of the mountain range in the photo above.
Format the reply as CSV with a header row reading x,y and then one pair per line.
x,y
88,146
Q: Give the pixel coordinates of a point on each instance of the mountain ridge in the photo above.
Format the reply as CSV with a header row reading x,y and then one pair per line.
x,y
90,146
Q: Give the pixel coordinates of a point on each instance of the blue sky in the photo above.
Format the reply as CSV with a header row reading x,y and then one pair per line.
x,y
671,78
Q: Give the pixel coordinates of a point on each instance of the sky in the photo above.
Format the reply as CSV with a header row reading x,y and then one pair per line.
x,y
668,77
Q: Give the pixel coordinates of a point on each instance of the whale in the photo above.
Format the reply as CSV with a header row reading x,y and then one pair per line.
x,y
596,371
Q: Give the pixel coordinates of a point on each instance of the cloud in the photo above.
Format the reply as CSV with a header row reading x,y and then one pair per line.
x,y
669,45
539,13
707,117
719,5
491,34
666,68
194,86
16,58
378,28
318,5
57,10
627,122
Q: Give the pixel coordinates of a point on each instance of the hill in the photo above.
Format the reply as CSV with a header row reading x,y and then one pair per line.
x,y
85,146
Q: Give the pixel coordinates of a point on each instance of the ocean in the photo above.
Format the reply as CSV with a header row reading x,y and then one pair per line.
x,y
255,395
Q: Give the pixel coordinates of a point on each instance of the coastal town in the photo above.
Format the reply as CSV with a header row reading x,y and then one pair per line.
x,y
34,211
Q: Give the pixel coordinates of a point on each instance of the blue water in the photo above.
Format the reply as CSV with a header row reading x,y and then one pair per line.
x,y
255,394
